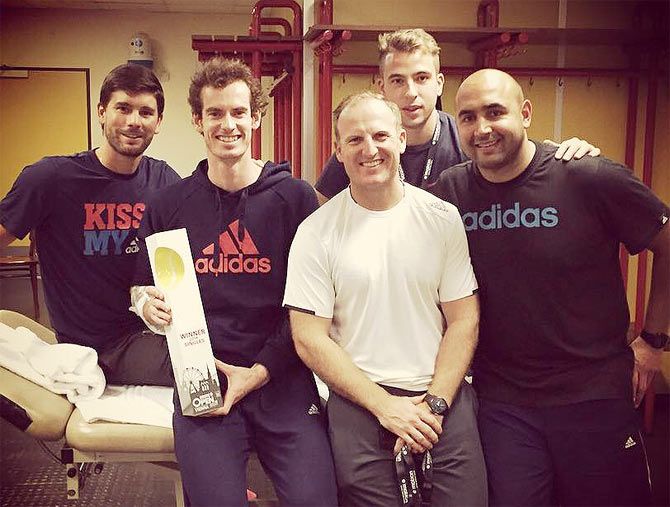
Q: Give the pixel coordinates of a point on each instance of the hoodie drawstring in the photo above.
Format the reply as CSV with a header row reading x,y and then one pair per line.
x,y
218,258
240,212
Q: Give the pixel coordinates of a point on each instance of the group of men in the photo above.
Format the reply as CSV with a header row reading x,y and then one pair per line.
x,y
390,291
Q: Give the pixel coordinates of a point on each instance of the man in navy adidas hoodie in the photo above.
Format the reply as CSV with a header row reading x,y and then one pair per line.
x,y
241,216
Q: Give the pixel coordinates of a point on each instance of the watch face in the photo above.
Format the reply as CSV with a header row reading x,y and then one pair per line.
x,y
437,405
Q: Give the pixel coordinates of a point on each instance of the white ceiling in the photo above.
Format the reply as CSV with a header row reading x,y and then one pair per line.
x,y
193,6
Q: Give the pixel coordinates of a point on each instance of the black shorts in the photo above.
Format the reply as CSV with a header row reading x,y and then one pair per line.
x,y
138,358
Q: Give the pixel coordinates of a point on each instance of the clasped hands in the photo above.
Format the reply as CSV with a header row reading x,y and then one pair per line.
x,y
410,418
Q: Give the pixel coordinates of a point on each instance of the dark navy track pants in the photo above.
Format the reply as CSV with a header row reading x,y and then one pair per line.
x,y
279,422
588,453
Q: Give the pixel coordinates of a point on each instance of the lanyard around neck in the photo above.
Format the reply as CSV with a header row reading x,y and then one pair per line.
x,y
432,150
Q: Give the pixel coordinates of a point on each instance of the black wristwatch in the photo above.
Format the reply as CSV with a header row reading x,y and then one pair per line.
x,y
656,340
438,406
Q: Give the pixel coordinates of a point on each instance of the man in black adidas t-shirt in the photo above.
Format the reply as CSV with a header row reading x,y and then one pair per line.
x,y
553,369
85,210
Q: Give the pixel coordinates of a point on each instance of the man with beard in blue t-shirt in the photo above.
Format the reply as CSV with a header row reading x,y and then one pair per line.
x,y
85,210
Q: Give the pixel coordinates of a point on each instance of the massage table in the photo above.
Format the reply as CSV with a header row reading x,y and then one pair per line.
x,y
50,417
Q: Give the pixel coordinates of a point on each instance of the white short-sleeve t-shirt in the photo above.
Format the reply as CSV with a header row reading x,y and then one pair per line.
x,y
380,276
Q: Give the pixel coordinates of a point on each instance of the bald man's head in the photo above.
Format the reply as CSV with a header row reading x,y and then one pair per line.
x,y
491,78
492,118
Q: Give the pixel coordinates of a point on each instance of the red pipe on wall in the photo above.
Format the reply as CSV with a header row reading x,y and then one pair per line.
x,y
647,166
255,27
277,94
255,30
288,102
488,14
629,158
325,88
326,104
286,122
296,107
257,72
277,21
325,13
648,161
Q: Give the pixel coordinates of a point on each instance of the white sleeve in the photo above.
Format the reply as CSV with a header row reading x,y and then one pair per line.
x,y
309,285
458,277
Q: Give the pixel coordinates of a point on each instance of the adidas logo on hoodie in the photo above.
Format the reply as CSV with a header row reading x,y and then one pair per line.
x,y
235,255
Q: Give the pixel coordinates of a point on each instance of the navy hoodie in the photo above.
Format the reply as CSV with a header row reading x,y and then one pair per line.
x,y
240,243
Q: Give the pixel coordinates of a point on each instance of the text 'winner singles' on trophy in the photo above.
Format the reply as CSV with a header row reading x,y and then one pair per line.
x,y
187,336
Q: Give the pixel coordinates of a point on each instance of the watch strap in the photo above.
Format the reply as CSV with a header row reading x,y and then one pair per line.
x,y
656,340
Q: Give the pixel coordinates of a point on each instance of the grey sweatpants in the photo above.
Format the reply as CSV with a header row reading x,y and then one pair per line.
x,y
365,469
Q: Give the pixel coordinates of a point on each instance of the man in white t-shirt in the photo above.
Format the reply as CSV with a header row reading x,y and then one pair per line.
x,y
374,277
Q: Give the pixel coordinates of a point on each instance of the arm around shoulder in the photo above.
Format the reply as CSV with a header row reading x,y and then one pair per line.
x,y
309,202
574,148
333,179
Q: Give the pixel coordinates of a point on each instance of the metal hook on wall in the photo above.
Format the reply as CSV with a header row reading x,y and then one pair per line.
x,y
589,81
531,81
560,81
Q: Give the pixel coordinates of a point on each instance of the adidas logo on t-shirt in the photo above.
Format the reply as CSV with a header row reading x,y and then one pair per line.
x,y
498,218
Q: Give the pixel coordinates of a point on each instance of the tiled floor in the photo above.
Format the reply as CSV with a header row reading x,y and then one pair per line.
x,y
30,477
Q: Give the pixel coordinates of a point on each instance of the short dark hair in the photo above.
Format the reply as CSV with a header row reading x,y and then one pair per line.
x,y
132,79
219,72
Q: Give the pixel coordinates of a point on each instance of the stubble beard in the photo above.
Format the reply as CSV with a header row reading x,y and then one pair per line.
x,y
116,144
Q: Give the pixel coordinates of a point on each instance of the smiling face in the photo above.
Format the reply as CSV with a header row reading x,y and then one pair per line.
x,y
226,121
369,143
412,81
129,122
492,118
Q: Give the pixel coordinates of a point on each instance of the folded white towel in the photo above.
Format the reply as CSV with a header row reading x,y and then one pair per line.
x,y
150,405
61,368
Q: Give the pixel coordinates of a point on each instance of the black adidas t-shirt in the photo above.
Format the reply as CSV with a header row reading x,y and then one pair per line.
x,y
448,153
544,247
85,219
